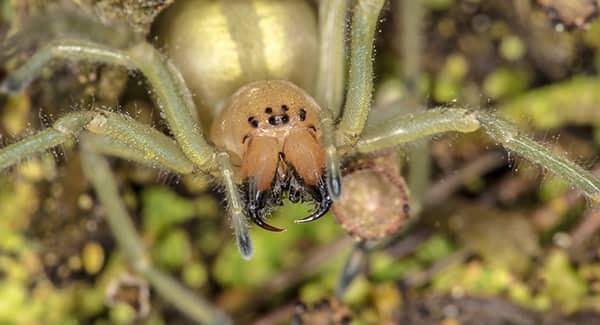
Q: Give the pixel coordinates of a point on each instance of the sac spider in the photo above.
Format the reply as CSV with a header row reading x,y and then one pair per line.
x,y
269,138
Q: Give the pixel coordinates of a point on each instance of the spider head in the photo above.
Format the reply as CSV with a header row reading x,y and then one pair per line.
x,y
272,128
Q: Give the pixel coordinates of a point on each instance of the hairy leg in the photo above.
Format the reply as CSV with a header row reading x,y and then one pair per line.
x,y
97,170
331,72
330,84
115,134
360,77
235,207
333,176
172,96
411,127
123,137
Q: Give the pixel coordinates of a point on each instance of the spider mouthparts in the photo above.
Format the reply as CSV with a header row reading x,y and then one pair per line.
x,y
325,203
261,223
256,203
323,208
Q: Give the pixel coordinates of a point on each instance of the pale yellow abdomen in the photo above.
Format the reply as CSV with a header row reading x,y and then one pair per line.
x,y
220,46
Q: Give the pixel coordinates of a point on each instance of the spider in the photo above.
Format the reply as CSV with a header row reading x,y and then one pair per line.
x,y
269,137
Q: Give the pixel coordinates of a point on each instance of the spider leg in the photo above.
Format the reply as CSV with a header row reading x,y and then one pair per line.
x,y
115,135
172,96
411,127
331,79
330,82
101,133
320,195
256,204
360,78
333,175
235,207
147,144
97,170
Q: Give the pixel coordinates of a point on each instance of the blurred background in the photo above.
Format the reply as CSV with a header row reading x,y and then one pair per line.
x,y
491,239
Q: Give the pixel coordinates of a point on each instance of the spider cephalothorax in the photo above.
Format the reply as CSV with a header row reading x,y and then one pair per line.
x,y
272,130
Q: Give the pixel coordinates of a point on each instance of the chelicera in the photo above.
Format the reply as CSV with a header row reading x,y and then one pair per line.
x,y
269,136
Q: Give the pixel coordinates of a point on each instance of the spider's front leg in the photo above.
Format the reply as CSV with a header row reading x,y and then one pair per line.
x,y
172,97
411,127
360,77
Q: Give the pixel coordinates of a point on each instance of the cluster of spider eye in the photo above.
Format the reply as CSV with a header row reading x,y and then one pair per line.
x,y
294,152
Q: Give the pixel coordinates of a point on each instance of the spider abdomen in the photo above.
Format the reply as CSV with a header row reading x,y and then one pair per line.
x,y
220,46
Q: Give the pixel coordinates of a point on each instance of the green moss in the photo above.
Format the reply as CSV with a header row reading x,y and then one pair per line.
x,y
506,82
592,34
358,292
122,314
448,84
553,187
573,101
562,284
386,268
26,297
173,250
162,208
435,248
473,278
195,274
274,251
512,48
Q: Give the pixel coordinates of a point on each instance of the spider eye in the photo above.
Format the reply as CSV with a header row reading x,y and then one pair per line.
x,y
302,114
268,110
285,108
253,122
